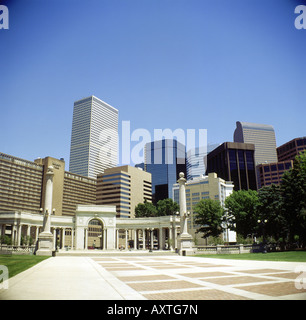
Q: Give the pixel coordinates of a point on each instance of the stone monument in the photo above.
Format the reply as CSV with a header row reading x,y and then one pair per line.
x,y
185,239
45,238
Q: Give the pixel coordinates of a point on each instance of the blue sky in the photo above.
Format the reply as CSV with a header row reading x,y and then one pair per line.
x,y
197,64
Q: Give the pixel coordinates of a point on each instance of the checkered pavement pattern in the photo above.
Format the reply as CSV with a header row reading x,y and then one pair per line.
x,y
188,278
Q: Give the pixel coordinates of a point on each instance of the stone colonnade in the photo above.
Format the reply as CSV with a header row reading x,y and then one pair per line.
x,y
73,231
62,236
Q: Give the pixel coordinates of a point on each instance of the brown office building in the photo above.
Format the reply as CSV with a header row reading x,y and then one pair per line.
x,y
289,150
22,186
272,173
234,161
124,187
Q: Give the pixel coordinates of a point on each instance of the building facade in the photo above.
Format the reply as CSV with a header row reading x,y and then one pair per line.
x,y
94,137
272,173
23,184
233,161
205,187
290,149
262,136
164,159
125,187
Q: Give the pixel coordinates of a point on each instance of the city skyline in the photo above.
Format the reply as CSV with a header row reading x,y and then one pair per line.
x,y
166,64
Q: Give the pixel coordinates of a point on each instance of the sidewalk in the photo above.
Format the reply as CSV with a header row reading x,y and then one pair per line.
x,y
152,277
68,278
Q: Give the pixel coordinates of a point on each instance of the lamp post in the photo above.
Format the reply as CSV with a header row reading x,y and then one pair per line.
x,y
262,223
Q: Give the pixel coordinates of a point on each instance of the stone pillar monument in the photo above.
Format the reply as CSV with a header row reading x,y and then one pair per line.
x,y
185,244
45,238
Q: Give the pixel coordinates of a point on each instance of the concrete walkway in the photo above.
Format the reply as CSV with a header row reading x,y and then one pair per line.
x,y
68,278
152,277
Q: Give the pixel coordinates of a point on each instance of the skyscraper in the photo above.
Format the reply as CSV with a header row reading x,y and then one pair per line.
x,y
164,159
262,136
233,161
94,137
196,163
125,187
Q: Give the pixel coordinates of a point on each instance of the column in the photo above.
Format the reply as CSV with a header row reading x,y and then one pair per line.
x,y
36,233
63,237
126,239
54,239
151,239
170,238
117,239
175,237
143,239
86,238
19,234
104,239
72,238
160,239
29,230
135,238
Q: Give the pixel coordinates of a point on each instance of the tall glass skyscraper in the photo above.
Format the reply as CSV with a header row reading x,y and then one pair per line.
x,y
164,159
94,137
197,161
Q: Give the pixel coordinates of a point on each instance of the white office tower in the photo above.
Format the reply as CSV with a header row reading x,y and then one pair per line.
x,y
94,137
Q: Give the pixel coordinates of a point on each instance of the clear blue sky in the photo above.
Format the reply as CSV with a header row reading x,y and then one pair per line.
x,y
199,64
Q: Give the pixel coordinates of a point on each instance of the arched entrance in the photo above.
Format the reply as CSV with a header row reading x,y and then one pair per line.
x,y
95,234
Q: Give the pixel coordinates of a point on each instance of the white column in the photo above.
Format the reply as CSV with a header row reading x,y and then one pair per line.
x,y
175,237
28,230
19,234
36,233
86,238
126,239
170,238
72,238
160,239
143,239
54,239
104,239
48,199
63,237
117,239
135,238
152,239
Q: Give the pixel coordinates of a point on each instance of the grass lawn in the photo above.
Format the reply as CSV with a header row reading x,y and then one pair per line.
x,y
17,264
292,256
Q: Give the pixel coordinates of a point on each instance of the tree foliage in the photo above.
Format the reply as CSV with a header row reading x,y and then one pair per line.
x,y
208,214
164,207
293,190
167,207
146,209
241,211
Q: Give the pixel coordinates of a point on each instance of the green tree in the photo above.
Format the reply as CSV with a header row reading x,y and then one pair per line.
x,y
208,214
167,207
241,206
294,198
270,208
146,209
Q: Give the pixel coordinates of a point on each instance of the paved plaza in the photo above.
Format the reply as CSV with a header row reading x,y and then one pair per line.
x,y
153,277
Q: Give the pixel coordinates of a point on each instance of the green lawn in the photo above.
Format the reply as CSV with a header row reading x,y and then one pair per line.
x,y
293,256
17,264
